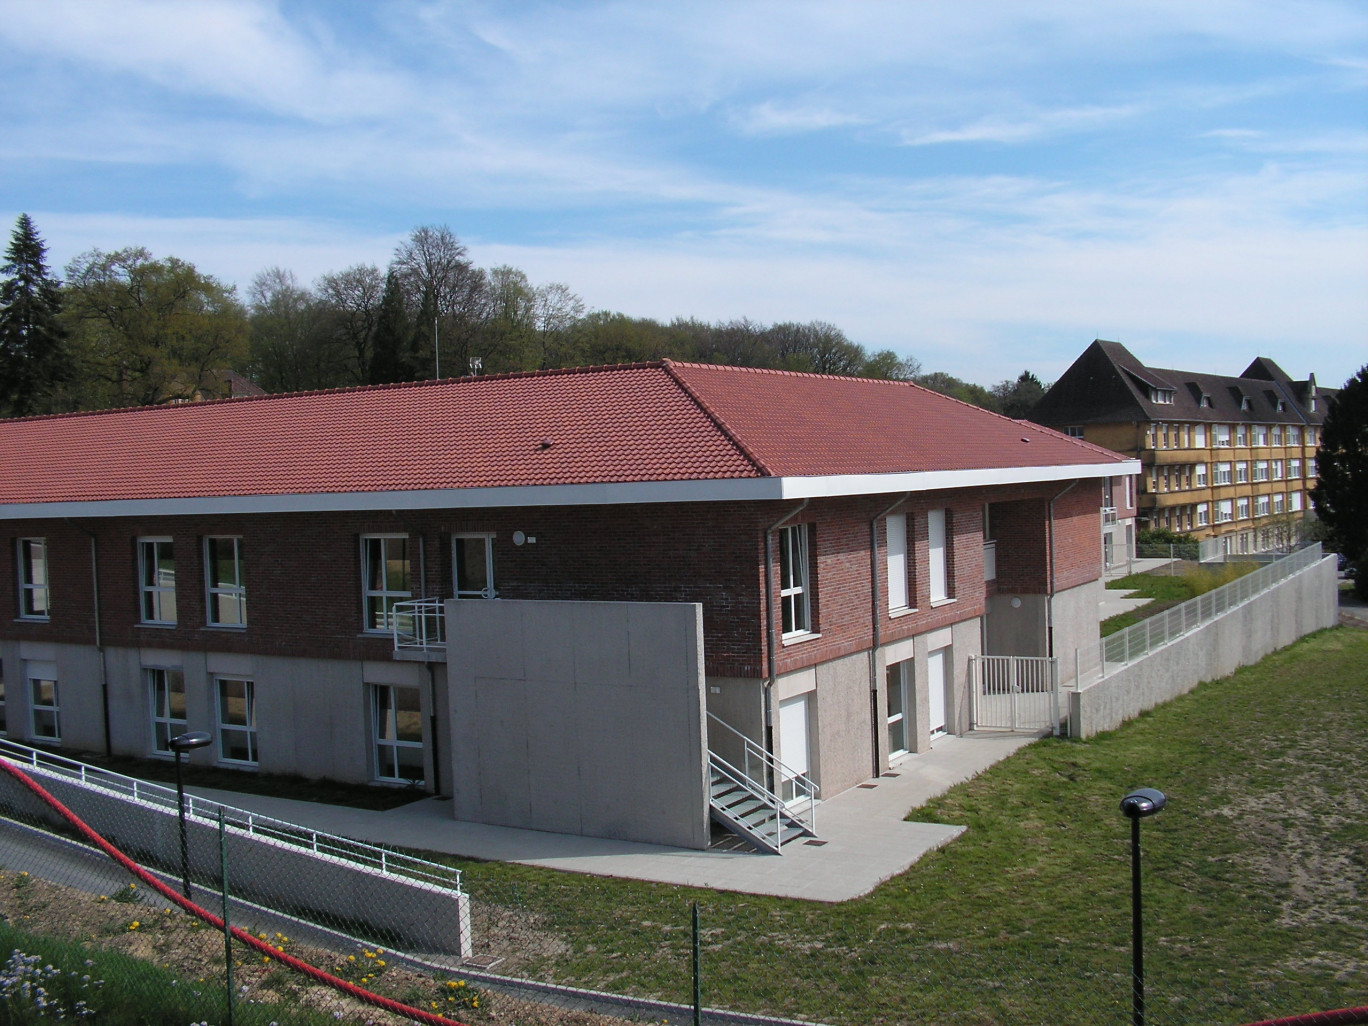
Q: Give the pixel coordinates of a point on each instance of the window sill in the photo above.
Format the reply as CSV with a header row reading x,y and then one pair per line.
x,y
798,639
894,614
225,626
156,624
33,619
937,603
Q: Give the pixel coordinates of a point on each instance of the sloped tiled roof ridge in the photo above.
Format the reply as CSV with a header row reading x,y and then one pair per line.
x,y
627,423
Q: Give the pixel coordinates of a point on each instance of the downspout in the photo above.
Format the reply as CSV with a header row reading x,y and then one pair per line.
x,y
877,634
99,640
1049,599
772,634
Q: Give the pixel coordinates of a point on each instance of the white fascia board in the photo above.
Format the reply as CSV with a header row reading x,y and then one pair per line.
x,y
610,494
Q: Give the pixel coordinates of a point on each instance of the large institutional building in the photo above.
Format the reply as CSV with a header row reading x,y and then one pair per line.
x,y
1228,457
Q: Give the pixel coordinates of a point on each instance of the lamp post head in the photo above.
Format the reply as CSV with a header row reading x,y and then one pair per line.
x,y
1142,802
186,742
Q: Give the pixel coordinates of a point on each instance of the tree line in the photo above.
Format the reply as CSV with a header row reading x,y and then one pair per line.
x,y
126,328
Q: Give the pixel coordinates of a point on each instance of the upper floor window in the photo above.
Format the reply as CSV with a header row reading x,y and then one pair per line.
x,y
1279,502
1220,435
794,577
1261,470
1259,434
157,580
385,566
1205,401
1200,475
1293,435
473,558
1245,403
1225,511
1310,436
33,579
1277,469
1282,408
1161,395
1242,508
1241,472
1276,435
1261,505
1241,434
1294,468
1203,514
1311,468
896,527
227,603
1222,476
1294,502
938,554
1161,437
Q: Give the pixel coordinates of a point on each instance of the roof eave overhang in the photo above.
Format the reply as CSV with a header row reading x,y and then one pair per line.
x,y
600,494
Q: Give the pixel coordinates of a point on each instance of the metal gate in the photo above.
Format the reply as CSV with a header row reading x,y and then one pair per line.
x,y
1014,693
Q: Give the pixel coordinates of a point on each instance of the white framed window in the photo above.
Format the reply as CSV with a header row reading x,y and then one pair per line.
x,y
794,575
1261,505
166,691
237,723
33,579
1293,434
1276,469
1161,437
1259,435
1276,435
1161,395
44,713
1220,436
1242,508
157,580
1294,469
1200,474
1199,438
1241,434
1222,475
1294,502
1279,503
1205,401
1203,514
1310,436
1074,430
397,724
1310,468
472,556
1241,472
1225,511
1245,404
938,555
386,578
898,592
227,592
897,682
1130,492
1261,470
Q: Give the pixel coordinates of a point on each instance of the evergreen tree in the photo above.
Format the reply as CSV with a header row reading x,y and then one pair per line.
x,y
34,359
393,336
1341,492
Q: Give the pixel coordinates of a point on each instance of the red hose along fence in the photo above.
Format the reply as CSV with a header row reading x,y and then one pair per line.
x,y
170,894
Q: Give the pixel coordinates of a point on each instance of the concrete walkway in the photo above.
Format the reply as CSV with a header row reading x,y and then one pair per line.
x,y
862,837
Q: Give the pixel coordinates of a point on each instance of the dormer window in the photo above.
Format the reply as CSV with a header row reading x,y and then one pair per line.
x,y
1205,401
1161,395
1282,406
1245,403
1313,404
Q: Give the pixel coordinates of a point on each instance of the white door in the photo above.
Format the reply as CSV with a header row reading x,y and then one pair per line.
x,y
935,686
793,744
898,675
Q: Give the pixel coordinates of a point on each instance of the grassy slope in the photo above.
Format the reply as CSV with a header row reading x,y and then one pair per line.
x,y
1256,881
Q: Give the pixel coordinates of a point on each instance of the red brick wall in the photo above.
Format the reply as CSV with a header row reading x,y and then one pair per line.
x,y
303,571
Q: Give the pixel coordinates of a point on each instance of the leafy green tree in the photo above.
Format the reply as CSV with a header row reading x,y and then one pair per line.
x,y
1341,492
147,331
948,384
888,364
1017,398
34,358
393,336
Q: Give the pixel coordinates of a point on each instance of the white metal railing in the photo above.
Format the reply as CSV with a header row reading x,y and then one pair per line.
x,y
764,775
329,846
990,561
1095,661
419,624
1014,693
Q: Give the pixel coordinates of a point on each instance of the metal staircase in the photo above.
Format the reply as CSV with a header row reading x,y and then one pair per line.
x,y
742,800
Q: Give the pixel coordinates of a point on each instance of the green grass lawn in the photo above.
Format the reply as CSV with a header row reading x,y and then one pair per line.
x,y
1256,882
1166,588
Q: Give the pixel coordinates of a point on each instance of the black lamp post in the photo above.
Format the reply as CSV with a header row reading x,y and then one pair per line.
x,y
1145,801
180,744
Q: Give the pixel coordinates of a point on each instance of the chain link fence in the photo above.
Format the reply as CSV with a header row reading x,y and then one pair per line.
x,y
87,939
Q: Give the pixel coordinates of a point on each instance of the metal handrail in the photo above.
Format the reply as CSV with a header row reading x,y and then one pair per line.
x,y
419,624
777,771
771,800
340,849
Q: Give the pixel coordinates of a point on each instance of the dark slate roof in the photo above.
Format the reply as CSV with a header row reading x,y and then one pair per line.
x,y
1107,384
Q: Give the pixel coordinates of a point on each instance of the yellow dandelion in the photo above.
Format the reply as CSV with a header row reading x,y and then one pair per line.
x,y
134,925
351,958
380,962
265,958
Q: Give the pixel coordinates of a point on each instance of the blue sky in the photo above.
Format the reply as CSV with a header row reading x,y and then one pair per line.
x,y
984,186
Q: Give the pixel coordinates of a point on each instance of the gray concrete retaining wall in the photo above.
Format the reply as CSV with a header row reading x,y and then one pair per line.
x,y
580,718
407,914
1297,606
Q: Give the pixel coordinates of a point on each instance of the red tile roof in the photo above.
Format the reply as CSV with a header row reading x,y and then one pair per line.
x,y
646,422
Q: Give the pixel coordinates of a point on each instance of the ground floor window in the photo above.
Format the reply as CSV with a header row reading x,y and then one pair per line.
x,y
45,724
898,677
237,721
167,691
397,716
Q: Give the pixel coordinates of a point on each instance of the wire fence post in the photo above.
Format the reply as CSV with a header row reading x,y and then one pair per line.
x,y
697,974
227,930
